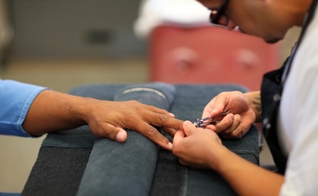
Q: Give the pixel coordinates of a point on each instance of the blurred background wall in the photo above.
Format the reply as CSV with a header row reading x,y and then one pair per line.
x,y
75,28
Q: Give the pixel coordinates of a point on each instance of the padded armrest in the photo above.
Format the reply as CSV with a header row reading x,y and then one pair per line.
x,y
63,157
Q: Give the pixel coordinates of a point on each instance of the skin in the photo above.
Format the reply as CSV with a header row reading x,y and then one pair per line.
x,y
202,148
245,110
271,21
53,111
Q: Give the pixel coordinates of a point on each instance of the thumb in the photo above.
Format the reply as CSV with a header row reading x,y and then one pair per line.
x,y
121,135
188,127
215,111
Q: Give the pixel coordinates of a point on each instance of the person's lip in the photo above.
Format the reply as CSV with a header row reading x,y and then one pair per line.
x,y
240,30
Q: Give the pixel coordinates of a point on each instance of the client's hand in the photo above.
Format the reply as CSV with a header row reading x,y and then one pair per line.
x,y
108,119
53,111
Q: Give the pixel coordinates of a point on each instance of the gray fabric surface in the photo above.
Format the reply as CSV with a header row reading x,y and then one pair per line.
x,y
57,172
170,178
80,137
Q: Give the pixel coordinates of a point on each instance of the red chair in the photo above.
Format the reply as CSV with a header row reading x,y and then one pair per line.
x,y
209,55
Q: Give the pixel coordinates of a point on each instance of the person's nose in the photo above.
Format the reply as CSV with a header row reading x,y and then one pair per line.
x,y
231,25
223,21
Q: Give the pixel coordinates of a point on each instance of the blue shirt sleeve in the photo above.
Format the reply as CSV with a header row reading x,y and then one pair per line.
x,y
15,101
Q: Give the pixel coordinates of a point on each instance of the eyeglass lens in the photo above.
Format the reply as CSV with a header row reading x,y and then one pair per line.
x,y
216,15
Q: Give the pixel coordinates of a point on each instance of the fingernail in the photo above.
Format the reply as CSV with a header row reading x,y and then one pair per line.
x,y
187,123
172,115
212,111
120,136
170,145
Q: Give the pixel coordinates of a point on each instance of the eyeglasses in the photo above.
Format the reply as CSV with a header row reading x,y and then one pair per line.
x,y
216,15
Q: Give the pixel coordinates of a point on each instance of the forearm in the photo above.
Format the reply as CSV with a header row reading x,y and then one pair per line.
x,y
255,102
247,178
52,111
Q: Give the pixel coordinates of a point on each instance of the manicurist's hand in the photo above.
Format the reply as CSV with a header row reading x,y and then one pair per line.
x,y
53,111
202,148
196,147
244,111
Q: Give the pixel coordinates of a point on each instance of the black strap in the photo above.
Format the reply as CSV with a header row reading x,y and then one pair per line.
x,y
311,14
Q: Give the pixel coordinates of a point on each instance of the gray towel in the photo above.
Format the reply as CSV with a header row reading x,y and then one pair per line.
x,y
128,168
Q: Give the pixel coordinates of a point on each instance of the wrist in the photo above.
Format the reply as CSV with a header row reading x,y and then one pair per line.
x,y
83,109
216,157
254,100
223,160
58,111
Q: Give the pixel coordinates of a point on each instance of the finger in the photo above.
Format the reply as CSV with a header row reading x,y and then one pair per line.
x,y
236,122
157,110
240,131
112,132
177,143
121,136
164,120
178,137
217,105
153,134
208,108
182,162
188,128
224,124
169,131
237,130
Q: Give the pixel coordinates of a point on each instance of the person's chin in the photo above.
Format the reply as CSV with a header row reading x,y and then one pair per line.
x,y
267,40
272,40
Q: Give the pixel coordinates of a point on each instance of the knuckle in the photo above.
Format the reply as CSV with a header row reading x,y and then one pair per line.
x,y
238,118
102,133
223,93
130,118
175,150
163,118
182,162
106,131
151,107
227,131
152,131
133,101
237,134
